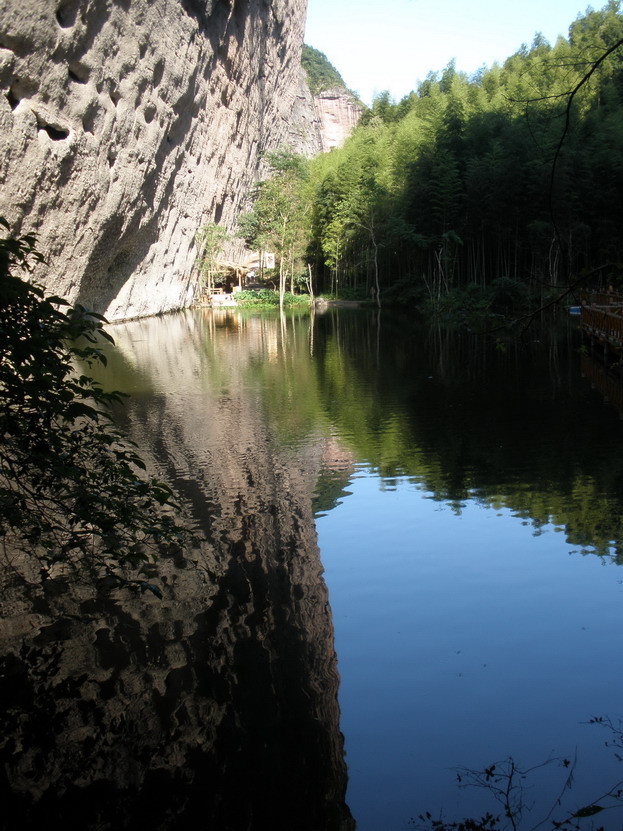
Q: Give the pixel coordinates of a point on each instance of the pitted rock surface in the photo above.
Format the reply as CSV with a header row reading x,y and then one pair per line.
x,y
124,126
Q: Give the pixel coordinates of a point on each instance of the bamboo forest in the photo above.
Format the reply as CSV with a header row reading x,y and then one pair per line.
x,y
504,184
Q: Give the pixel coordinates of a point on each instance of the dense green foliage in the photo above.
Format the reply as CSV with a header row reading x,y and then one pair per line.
x,y
73,492
509,179
321,74
278,221
268,298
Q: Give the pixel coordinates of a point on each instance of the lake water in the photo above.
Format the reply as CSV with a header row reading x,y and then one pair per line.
x,y
412,565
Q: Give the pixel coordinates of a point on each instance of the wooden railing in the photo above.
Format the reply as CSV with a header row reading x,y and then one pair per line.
x,y
604,322
601,297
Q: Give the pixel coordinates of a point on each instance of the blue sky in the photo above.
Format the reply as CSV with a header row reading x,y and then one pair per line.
x,y
393,44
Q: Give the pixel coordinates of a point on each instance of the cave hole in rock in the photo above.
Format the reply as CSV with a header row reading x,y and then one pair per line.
x,y
158,72
78,73
218,212
55,133
66,14
149,113
12,99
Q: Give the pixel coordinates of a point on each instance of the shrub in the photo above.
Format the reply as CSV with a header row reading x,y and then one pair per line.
x,y
270,299
74,493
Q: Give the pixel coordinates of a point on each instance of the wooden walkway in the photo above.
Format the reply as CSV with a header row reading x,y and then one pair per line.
x,y
602,324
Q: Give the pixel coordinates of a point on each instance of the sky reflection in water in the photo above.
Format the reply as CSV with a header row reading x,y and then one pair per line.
x,y
461,639
468,626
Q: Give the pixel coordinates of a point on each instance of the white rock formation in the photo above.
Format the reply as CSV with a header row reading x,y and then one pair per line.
x,y
127,124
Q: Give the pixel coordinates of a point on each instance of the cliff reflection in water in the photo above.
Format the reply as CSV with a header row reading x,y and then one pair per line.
x,y
217,706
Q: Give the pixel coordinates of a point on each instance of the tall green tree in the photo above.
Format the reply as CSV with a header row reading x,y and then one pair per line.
x,y
277,220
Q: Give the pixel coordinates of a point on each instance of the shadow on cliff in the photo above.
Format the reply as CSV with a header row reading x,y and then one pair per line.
x,y
124,241
122,250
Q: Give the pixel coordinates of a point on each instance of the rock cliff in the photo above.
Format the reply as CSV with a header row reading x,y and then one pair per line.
x,y
322,121
124,126
305,129
338,113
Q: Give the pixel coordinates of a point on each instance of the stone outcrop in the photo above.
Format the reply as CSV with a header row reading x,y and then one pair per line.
x,y
305,129
323,121
338,112
124,126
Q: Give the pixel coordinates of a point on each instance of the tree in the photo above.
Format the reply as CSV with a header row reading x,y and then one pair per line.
x,y
505,784
74,494
211,239
321,74
510,174
278,215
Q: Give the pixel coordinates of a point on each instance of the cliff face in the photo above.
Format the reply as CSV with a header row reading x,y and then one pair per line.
x,y
320,122
125,126
338,113
305,131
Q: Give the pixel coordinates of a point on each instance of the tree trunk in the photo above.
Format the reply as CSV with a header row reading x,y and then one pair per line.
x,y
310,285
282,283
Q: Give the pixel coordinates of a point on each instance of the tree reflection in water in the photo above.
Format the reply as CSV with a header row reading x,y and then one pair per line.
x,y
217,706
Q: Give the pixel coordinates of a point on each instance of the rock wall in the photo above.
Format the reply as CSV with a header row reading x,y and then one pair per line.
x,y
305,129
338,112
124,126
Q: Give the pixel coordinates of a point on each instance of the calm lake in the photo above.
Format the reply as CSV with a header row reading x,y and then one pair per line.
x,y
411,564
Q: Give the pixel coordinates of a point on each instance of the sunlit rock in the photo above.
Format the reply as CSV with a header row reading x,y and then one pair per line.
x,y
125,126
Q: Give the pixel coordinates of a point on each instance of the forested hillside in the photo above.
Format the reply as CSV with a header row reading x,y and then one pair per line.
x,y
321,74
498,179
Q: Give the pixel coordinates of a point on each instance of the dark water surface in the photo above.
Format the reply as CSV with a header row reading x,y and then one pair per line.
x,y
441,511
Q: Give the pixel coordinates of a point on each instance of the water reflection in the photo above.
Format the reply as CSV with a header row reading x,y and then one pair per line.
x,y
216,707
511,424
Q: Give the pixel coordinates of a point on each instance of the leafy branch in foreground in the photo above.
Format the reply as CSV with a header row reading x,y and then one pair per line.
x,y
74,494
